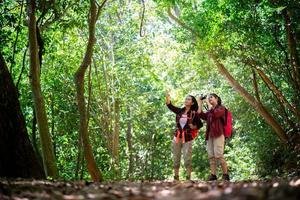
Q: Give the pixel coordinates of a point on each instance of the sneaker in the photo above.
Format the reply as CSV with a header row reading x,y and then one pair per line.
x,y
212,177
176,178
226,177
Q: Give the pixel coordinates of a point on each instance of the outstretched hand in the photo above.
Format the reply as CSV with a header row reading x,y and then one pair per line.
x,y
168,97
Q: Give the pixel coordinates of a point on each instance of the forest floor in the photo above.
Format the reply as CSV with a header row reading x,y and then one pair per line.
x,y
148,190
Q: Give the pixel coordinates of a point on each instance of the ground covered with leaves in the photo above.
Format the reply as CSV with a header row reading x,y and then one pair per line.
x,y
148,190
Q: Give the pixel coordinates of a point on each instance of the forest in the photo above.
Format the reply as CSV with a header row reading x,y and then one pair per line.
x,y
82,96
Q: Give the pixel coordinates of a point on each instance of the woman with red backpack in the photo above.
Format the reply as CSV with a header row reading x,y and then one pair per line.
x,y
187,125
215,117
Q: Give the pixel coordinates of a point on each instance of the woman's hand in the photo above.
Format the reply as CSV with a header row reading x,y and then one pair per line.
x,y
199,99
207,102
200,103
192,126
168,98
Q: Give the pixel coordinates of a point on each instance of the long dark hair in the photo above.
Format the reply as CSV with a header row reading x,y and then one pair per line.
x,y
195,106
217,97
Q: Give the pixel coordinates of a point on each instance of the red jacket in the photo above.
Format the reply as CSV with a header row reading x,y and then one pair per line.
x,y
215,121
193,118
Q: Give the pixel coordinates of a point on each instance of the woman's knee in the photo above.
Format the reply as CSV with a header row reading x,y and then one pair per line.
x,y
221,160
176,165
177,158
188,162
212,160
188,158
176,155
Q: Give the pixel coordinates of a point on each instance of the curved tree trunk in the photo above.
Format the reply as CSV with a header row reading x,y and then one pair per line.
x,y
79,81
278,93
38,99
251,100
17,157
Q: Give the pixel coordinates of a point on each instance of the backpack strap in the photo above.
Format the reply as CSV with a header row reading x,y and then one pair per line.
x,y
224,119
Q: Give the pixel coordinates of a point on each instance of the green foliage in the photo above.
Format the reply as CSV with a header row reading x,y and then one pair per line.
x,y
137,70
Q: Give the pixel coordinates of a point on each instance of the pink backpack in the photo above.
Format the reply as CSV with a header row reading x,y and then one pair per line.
x,y
228,123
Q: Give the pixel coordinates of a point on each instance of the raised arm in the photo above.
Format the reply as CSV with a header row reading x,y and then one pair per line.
x,y
200,104
170,105
200,112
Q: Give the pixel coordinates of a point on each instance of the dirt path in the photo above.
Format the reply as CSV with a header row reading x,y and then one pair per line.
x,y
160,190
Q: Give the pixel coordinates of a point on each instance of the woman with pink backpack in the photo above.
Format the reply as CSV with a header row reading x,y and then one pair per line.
x,y
218,126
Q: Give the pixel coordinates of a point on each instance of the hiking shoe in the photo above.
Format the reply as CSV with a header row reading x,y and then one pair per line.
x,y
176,178
226,177
212,177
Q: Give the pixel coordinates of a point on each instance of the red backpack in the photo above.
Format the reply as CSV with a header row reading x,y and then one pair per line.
x,y
228,123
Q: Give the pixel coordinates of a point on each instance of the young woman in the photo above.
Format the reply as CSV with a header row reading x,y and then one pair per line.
x,y
215,138
187,125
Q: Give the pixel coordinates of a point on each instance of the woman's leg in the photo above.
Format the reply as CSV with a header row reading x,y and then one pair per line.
x,y
224,165
187,155
219,153
176,157
211,156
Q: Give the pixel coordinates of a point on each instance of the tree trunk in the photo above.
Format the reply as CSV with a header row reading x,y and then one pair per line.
x,y
79,158
108,116
17,157
282,110
129,143
79,155
251,100
104,120
34,139
52,129
153,155
255,86
116,135
278,93
79,81
292,46
39,104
